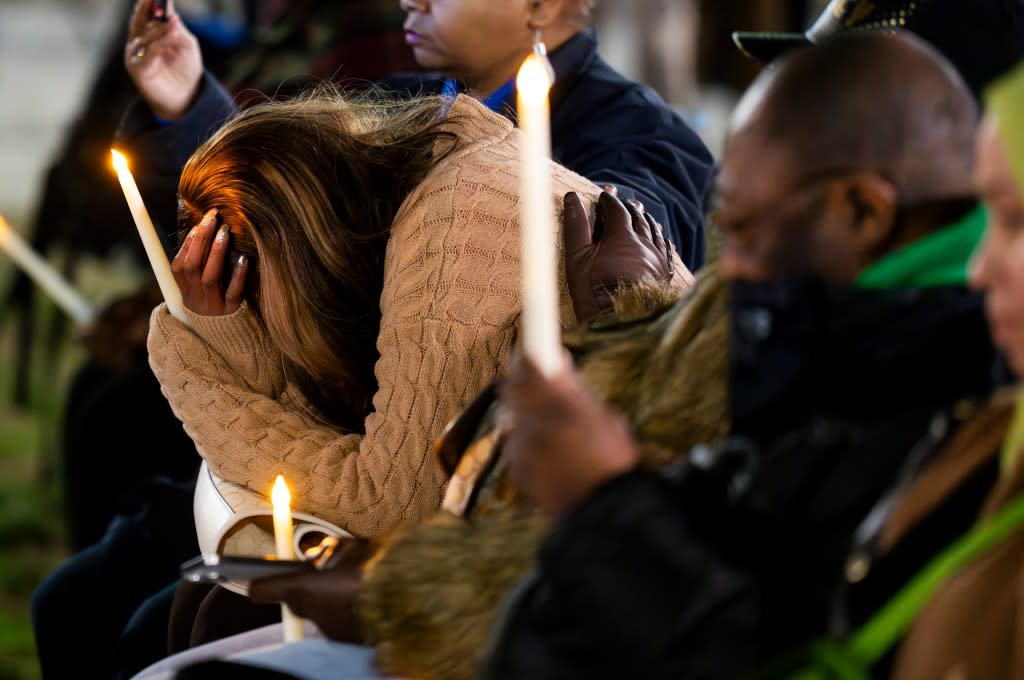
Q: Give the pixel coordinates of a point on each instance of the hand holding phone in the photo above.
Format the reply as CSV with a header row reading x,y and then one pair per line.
x,y
221,569
326,596
163,59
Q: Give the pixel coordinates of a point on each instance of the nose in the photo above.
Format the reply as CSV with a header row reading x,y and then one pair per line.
x,y
736,265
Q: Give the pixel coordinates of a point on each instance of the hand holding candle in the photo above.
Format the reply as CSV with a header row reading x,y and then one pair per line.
x,y
150,240
541,334
283,537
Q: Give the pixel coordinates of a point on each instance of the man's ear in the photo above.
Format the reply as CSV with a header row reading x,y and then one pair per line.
x,y
872,202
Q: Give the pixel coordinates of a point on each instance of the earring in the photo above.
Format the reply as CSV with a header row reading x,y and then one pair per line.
x,y
540,50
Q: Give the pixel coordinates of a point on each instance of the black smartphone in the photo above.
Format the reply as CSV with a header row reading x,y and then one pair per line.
x,y
220,569
158,10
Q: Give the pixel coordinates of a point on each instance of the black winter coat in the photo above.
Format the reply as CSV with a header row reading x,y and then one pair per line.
x,y
711,569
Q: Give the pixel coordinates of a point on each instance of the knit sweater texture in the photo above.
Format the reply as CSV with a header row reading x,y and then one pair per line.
x,y
449,315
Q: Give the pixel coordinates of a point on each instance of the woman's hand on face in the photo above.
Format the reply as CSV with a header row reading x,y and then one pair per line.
x,y
199,270
164,61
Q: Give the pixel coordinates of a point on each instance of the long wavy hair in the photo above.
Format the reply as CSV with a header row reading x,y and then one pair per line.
x,y
309,189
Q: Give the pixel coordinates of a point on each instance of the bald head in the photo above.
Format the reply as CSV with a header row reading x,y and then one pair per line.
x,y
871,101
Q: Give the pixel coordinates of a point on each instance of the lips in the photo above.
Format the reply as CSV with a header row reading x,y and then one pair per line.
x,y
412,37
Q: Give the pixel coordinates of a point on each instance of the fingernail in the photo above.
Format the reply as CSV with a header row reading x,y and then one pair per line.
x,y
570,205
222,233
241,261
208,218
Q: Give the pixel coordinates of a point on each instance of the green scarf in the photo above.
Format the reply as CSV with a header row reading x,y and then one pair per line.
x,y
1013,445
939,259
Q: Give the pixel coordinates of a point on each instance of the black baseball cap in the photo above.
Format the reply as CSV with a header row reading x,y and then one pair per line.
x,y
982,38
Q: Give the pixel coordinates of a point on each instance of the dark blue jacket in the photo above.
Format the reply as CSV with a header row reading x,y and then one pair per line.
x,y
605,127
613,130
616,131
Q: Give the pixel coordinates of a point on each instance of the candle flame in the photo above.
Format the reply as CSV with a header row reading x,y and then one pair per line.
x,y
280,495
534,80
120,162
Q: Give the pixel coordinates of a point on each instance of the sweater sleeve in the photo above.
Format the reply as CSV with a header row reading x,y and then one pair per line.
x,y
242,342
449,312
365,484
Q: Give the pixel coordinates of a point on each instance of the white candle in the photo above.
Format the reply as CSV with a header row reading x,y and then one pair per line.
x,y
283,537
45,276
541,332
150,241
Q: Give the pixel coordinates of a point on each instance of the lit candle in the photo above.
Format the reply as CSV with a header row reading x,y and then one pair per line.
x,y
150,241
45,276
541,333
283,536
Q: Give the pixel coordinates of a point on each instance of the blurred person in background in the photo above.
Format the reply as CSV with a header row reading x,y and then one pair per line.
x,y
605,127
972,625
980,37
847,262
931,582
259,48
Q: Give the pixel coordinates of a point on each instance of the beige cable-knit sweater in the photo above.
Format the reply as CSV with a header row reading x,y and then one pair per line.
x,y
449,314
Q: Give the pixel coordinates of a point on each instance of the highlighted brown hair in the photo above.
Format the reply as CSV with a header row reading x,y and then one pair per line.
x,y
309,189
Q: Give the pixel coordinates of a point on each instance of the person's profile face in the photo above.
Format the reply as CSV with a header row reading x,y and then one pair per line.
x,y
470,40
775,222
997,267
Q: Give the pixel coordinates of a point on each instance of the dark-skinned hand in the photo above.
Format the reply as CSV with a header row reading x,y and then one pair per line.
x,y
561,442
199,266
326,597
624,246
